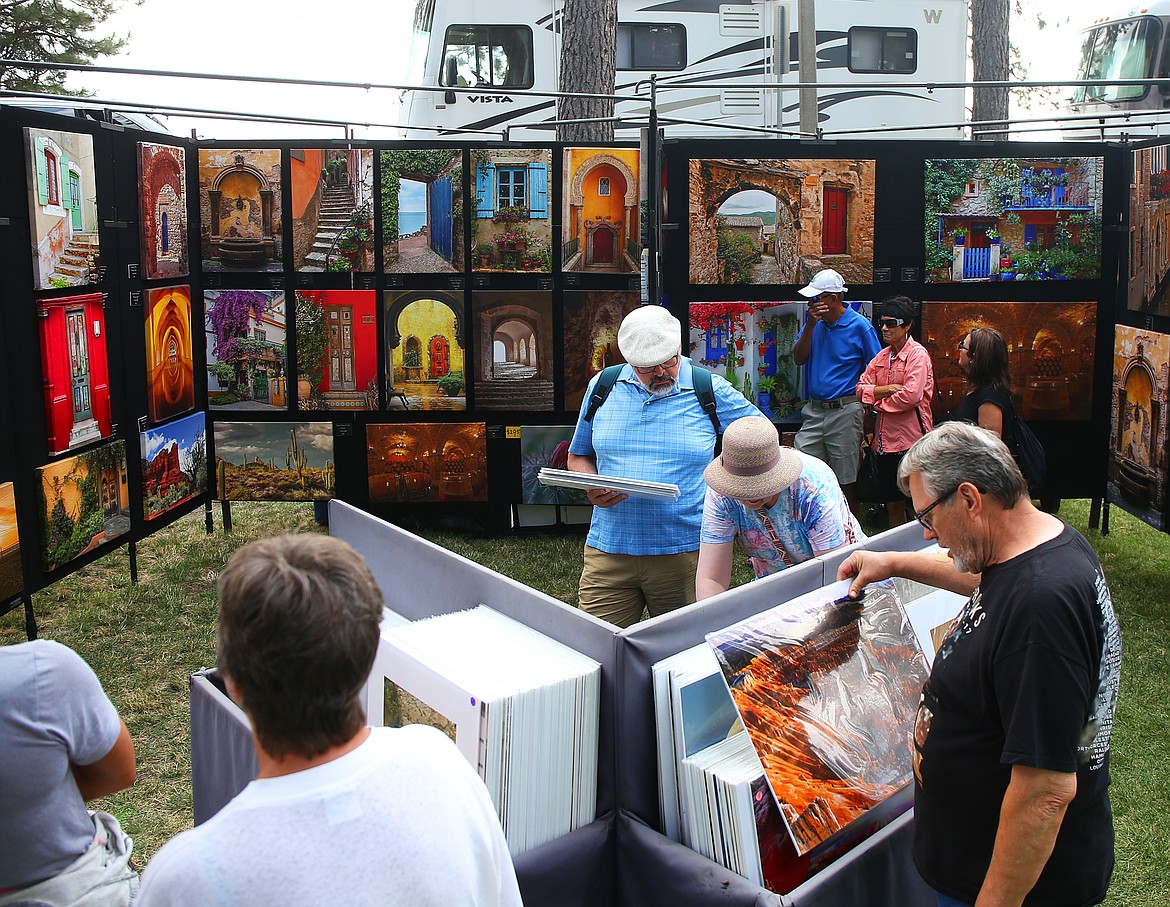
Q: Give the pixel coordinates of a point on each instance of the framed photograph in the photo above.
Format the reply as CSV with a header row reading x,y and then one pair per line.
x,y
75,371
332,209
1149,221
174,464
427,462
240,209
422,210
511,223
601,230
592,319
544,446
337,349
63,208
781,221
426,363
86,503
170,380
513,332
162,210
11,575
274,461
246,350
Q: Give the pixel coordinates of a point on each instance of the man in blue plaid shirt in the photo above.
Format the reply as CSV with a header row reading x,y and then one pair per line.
x,y
641,553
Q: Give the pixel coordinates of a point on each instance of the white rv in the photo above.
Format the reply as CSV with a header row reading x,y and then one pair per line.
x,y
1134,44
482,63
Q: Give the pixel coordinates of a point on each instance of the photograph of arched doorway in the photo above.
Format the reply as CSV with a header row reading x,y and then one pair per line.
x,y
1137,448
513,337
162,210
601,230
425,358
240,209
170,382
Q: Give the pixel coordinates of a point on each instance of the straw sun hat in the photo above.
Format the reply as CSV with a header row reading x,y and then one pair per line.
x,y
753,465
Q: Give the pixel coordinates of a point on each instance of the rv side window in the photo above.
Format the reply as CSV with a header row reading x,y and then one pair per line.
x,y
651,46
482,56
883,50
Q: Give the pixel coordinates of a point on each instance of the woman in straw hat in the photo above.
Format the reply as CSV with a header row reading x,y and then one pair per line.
x,y
785,506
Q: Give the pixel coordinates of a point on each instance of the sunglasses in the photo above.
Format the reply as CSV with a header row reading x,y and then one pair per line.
x,y
962,346
891,322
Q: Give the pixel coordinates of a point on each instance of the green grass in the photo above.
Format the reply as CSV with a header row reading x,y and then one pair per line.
x,y
143,640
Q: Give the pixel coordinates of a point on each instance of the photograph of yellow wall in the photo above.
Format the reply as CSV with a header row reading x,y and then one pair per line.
x,y
424,351
11,577
85,503
1137,448
239,209
170,381
601,231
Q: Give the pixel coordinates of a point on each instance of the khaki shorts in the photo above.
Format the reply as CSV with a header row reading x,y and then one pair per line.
x,y
834,436
620,587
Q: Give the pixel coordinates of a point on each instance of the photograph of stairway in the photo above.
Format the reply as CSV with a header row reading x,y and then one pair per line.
x,y
332,197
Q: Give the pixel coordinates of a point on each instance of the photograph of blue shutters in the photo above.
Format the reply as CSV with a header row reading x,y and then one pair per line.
x,y
500,184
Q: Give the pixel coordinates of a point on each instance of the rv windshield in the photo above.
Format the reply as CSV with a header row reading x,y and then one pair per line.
x,y
420,38
487,55
1119,50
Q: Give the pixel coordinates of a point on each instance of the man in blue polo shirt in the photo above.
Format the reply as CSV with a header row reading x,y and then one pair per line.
x,y
642,553
838,344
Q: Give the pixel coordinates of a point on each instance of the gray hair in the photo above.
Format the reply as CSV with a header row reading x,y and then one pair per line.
x,y
958,452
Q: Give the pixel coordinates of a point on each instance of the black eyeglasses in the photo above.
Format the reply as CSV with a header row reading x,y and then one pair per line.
x,y
652,369
962,346
921,515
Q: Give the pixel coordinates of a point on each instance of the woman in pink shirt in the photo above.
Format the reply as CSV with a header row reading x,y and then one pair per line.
x,y
897,385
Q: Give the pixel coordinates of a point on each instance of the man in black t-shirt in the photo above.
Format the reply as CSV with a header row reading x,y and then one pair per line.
x,y
1011,743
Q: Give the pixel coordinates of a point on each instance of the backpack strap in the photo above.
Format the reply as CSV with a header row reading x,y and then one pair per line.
x,y
601,389
703,390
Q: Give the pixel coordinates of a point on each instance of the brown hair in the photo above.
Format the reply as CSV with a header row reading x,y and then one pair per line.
x,y
987,354
298,630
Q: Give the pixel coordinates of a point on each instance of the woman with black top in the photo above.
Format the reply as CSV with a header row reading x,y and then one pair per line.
x,y
983,358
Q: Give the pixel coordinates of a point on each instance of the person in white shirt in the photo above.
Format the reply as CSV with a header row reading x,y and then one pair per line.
x,y
340,813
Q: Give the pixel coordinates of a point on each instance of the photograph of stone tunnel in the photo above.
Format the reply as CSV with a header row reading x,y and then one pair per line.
x,y
63,208
170,384
513,342
240,209
755,221
332,209
425,358
422,210
1050,351
1138,404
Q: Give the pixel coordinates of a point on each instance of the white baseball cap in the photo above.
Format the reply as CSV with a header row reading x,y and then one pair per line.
x,y
826,281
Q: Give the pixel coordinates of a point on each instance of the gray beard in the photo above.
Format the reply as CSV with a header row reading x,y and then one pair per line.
x,y
662,391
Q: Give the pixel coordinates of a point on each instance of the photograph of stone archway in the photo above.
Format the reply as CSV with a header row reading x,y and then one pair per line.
x,y
514,360
426,360
756,221
601,211
240,227
1138,404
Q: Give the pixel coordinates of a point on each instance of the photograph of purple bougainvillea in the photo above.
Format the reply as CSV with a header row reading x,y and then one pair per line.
x,y
245,349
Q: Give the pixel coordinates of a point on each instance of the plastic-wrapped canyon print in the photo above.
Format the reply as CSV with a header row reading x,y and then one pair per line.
x,y
794,671
427,462
541,446
75,371
246,350
1051,348
422,210
174,464
170,380
63,208
1149,225
513,331
274,461
426,364
601,211
332,209
11,575
85,503
337,349
592,319
511,223
756,221
1013,219
240,209
162,210
1138,407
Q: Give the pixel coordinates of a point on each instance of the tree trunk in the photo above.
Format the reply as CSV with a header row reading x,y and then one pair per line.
x,y
989,54
588,64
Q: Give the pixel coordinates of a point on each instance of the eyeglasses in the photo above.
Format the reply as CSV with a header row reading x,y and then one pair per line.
x,y
891,323
962,346
921,515
653,369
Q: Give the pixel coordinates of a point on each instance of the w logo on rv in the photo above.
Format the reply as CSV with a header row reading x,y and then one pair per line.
x,y
932,16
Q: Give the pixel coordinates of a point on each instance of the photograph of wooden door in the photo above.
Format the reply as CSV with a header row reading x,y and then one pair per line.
x,y
78,365
341,371
836,201
440,356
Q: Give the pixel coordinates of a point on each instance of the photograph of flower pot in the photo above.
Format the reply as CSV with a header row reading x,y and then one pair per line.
x,y
425,358
63,208
512,227
332,208
274,461
780,221
1139,404
592,319
337,350
424,462
422,210
246,349
601,211
1013,219
240,202
1050,353
513,333
1149,225
162,210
